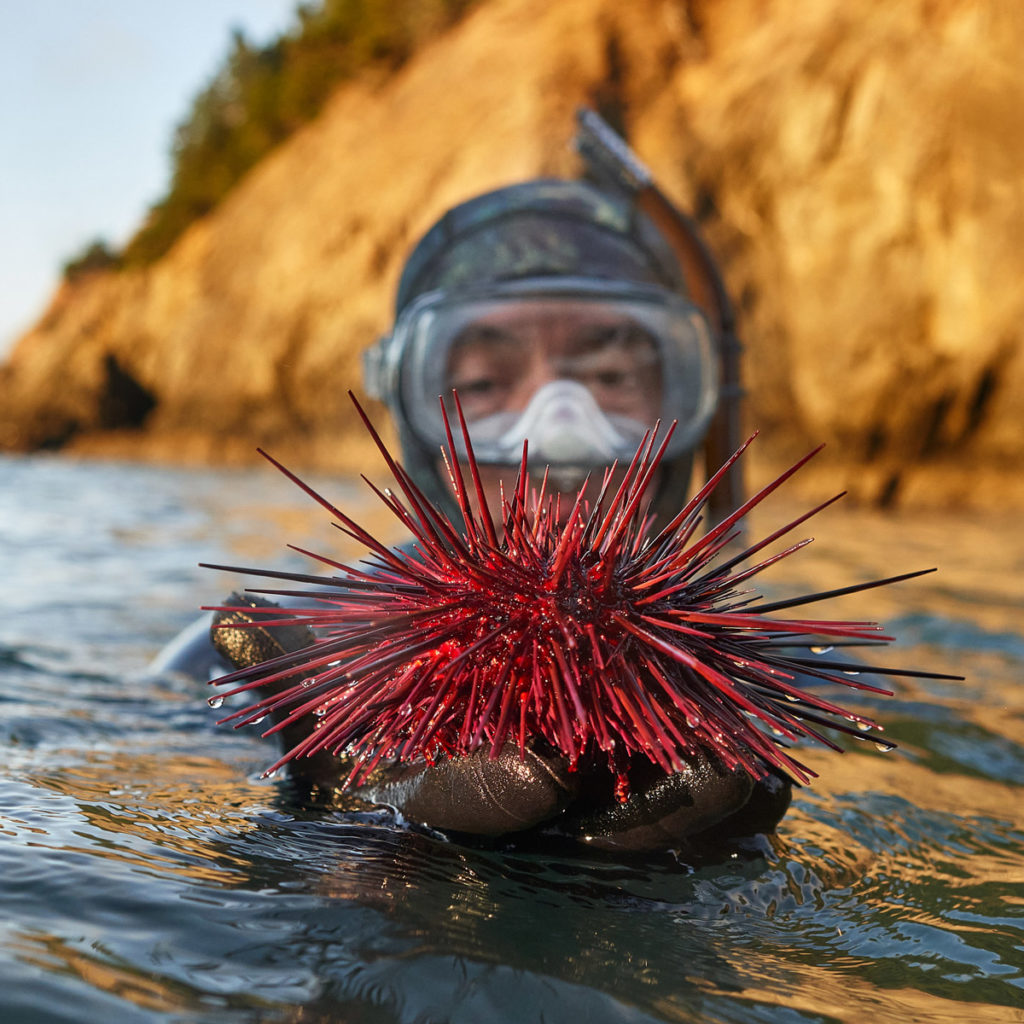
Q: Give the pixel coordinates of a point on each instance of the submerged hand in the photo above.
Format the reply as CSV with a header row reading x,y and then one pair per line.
x,y
517,792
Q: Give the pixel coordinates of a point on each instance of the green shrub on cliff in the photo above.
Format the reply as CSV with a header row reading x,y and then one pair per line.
x,y
262,94
97,255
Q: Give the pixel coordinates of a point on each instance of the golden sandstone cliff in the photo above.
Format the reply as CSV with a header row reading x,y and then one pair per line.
x,y
856,167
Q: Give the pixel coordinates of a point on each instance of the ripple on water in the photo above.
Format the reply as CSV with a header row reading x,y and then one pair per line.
x,y
149,876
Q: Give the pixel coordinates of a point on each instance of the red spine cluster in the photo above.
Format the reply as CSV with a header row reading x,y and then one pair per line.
x,y
596,632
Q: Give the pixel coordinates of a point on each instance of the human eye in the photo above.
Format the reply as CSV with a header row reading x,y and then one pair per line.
x,y
607,378
476,388
599,374
619,364
478,371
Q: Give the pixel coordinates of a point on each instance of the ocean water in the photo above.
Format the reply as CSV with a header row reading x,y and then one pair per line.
x,y
148,874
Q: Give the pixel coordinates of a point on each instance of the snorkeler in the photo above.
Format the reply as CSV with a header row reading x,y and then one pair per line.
x,y
561,315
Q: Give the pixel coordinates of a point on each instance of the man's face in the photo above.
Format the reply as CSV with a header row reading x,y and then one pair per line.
x,y
498,363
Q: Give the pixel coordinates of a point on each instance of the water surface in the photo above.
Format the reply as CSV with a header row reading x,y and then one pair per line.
x,y
147,874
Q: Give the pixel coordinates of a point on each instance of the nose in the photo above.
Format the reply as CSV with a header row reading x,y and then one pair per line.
x,y
540,370
564,426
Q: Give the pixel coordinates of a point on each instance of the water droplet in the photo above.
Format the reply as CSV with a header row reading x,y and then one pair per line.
x,y
884,747
821,648
850,672
792,697
307,683
268,774
215,702
256,721
864,726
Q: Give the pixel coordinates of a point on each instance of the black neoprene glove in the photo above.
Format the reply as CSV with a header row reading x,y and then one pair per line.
x,y
533,790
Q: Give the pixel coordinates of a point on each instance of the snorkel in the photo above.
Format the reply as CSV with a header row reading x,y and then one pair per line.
x,y
611,161
566,239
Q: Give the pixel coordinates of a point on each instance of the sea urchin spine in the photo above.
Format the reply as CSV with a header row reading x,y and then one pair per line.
x,y
594,632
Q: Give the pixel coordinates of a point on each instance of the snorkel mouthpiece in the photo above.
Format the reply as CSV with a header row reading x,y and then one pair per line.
x,y
565,427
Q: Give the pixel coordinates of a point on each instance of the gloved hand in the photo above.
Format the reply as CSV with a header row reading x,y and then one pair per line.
x,y
516,792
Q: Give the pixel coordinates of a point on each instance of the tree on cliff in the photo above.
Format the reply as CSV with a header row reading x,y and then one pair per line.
x,y
263,94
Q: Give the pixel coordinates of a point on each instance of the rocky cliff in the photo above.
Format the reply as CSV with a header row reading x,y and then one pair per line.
x,y
855,167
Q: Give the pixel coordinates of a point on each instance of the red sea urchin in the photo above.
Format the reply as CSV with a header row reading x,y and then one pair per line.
x,y
594,632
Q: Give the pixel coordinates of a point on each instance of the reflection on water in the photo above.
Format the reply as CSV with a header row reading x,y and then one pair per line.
x,y
148,875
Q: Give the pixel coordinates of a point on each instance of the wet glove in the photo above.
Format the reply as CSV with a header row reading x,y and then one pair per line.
x,y
533,790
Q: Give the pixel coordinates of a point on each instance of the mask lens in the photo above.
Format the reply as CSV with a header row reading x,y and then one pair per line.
x,y
638,355
499,362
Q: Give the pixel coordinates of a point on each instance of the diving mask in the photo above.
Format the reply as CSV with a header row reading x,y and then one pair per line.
x,y
580,367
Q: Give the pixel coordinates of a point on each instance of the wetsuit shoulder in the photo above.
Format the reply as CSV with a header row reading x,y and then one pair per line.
x,y
192,653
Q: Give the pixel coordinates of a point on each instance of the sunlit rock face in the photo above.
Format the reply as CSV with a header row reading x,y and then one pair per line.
x,y
855,169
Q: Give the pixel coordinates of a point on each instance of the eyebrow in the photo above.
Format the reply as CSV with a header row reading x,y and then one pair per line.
x,y
587,341
487,333
597,336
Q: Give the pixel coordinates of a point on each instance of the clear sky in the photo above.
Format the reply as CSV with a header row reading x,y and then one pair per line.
x,y
90,93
